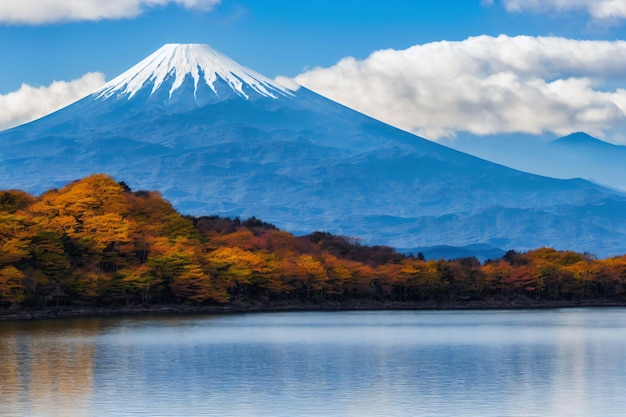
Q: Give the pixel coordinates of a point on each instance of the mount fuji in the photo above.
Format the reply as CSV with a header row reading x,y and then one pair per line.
x,y
218,138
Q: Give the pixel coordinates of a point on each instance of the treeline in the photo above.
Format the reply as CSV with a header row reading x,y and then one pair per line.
x,y
96,242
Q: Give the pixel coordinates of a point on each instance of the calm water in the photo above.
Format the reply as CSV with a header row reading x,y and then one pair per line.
x,y
518,363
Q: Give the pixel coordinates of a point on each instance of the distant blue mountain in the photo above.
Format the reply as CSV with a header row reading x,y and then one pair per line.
x,y
218,138
577,155
481,252
584,140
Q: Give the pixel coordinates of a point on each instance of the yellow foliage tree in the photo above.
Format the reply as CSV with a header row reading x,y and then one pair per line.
x,y
67,209
11,285
141,279
193,283
311,272
14,238
236,266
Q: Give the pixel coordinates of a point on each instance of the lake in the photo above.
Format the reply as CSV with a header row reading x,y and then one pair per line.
x,y
561,362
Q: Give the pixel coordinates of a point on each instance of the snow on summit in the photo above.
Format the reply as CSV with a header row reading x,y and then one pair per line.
x,y
203,63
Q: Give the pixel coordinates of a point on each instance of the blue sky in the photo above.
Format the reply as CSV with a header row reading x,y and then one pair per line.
x,y
54,52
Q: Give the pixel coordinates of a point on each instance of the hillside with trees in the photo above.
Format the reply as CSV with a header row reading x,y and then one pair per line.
x,y
97,243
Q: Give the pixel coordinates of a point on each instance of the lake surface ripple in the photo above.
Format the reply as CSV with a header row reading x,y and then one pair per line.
x,y
562,362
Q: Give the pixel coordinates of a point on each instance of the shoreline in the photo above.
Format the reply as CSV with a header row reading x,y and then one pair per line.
x,y
242,308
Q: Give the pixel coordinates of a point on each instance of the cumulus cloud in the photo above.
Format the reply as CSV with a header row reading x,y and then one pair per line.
x,y
49,11
29,103
598,9
485,85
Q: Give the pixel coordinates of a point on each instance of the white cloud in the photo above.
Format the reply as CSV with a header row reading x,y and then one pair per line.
x,y
287,82
48,11
598,9
29,103
485,85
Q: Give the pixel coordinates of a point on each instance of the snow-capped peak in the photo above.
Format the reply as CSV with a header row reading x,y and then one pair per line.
x,y
201,62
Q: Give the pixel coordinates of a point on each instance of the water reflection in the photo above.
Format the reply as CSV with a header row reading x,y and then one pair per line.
x,y
46,368
520,363
10,375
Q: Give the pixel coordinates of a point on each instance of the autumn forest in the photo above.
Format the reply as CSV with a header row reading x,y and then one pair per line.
x,y
95,242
